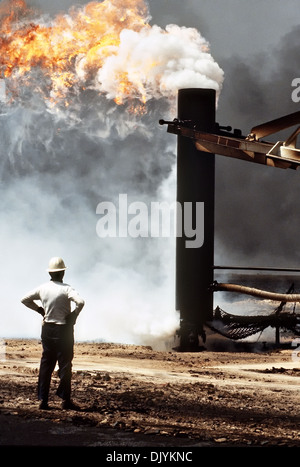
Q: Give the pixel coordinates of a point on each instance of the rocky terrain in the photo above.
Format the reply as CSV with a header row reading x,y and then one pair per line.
x,y
134,396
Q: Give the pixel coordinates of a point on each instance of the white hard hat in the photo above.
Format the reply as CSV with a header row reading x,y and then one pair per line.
x,y
56,264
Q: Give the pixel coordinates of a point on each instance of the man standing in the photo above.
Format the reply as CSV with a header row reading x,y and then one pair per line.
x,y
57,331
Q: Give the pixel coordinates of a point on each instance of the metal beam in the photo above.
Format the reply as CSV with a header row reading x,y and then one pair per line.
x,y
273,126
241,268
265,153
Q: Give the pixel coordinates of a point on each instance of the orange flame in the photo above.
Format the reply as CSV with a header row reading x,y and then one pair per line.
x,y
69,48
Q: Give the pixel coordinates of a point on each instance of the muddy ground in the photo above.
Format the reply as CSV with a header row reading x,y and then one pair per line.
x,y
134,396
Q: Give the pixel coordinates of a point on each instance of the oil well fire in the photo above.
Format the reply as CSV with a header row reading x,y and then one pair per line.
x,y
199,138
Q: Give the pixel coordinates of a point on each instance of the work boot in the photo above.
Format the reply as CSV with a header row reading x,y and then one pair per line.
x,y
44,406
69,405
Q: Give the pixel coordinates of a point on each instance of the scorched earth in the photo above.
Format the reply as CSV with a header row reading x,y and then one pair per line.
x,y
135,396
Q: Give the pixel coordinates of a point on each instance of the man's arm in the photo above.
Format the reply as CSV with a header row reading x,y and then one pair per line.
x,y
79,304
28,300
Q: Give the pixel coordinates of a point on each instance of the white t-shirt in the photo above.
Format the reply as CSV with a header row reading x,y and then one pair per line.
x,y
56,298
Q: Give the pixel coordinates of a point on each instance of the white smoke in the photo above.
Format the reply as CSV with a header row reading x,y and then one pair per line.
x,y
58,163
161,61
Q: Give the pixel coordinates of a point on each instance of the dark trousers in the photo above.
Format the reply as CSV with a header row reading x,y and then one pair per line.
x,y
58,347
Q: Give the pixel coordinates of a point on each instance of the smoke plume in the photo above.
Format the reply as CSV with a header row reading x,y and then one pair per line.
x,y
257,221
257,207
81,97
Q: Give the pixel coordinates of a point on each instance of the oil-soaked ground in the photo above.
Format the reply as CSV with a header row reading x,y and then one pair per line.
x,y
132,396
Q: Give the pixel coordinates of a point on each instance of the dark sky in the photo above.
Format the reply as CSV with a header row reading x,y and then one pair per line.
x,y
257,45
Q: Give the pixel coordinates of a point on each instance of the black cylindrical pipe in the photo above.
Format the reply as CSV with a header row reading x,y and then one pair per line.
x,y
195,184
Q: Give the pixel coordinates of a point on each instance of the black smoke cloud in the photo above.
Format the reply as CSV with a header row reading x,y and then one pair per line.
x,y
258,207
